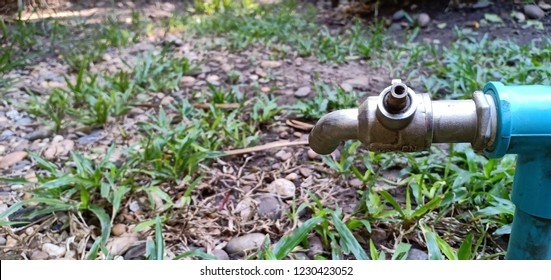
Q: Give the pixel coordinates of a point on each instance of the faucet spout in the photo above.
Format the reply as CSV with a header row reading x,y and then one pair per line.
x,y
332,129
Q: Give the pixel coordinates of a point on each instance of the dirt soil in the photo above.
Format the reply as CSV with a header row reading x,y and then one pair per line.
x,y
233,180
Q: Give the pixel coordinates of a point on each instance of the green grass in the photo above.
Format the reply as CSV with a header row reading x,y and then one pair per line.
x,y
448,187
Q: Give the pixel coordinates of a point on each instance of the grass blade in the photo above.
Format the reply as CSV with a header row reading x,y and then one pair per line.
x,y
432,244
464,252
49,201
93,254
288,243
159,240
104,220
195,253
401,252
393,202
349,239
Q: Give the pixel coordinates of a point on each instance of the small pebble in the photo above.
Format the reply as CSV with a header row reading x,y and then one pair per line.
x,y
269,207
2,241
533,12
238,245
395,27
29,231
187,81
6,135
70,255
221,254
378,235
301,256
312,155
519,17
315,246
400,14
271,64
355,182
134,206
12,158
283,155
282,187
57,138
305,172
39,255
291,176
416,254
482,4
423,19
53,250
136,252
245,209
118,229
544,5
39,134
302,92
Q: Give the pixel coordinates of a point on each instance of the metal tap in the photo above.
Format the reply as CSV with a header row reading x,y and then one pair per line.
x,y
498,120
401,120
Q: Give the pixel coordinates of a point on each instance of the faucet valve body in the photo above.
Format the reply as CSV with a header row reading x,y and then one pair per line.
x,y
401,120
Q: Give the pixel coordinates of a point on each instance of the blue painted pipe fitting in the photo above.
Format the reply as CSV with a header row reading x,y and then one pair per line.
x,y
524,128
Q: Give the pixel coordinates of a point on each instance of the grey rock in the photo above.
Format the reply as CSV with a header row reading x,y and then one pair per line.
x,y
39,255
301,256
53,250
2,241
398,15
136,252
221,255
416,254
395,27
39,134
239,245
282,187
23,121
533,12
268,207
378,235
355,182
13,115
302,92
20,166
361,82
282,154
423,19
173,40
312,154
6,135
90,138
315,247
482,4
544,5
134,206
519,17
305,172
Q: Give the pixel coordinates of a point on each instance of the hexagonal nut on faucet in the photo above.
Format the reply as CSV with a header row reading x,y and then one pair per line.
x,y
486,121
396,105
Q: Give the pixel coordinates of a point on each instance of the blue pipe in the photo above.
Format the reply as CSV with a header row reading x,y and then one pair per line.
x,y
524,128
